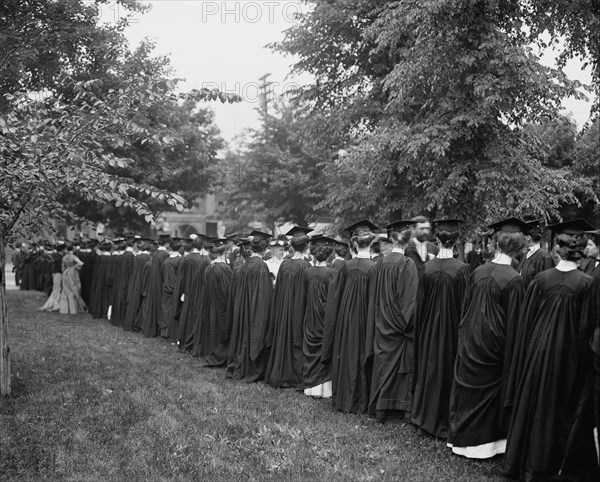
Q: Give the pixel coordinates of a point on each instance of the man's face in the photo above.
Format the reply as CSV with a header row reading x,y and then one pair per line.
x,y
591,250
421,231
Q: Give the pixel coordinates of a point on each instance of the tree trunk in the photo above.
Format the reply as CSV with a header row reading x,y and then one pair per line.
x,y
5,355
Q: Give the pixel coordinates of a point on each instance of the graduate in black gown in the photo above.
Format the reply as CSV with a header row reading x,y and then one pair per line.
x,y
284,369
389,339
591,317
233,332
143,312
536,259
122,272
440,299
485,342
170,271
154,322
316,376
346,312
250,315
341,254
551,429
134,288
213,308
99,291
189,327
193,263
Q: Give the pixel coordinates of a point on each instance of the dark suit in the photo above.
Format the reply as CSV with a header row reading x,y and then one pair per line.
x,y
412,253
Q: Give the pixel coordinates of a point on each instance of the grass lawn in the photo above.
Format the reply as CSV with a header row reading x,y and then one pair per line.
x,y
91,401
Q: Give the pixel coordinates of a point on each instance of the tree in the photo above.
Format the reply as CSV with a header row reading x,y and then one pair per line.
x,y
276,174
74,111
450,86
51,147
41,40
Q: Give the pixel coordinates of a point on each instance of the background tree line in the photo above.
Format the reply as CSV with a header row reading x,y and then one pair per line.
x,y
439,107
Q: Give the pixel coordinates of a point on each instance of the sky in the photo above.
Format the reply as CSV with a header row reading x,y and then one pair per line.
x,y
222,44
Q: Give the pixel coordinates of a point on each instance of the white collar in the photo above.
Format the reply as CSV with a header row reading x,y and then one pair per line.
x,y
129,249
445,253
532,249
175,254
398,250
256,255
363,255
161,248
502,258
566,266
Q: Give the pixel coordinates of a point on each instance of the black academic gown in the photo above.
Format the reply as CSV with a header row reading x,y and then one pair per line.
x,y
143,312
155,321
412,253
86,273
190,329
440,299
536,263
389,340
213,310
124,267
99,301
249,321
134,291
170,272
552,373
345,334
591,331
284,369
485,342
191,265
315,373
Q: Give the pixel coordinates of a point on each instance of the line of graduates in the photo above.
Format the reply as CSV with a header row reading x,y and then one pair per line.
x,y
502,359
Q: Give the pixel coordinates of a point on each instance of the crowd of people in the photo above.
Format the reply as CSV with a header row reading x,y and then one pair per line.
x,y
496,357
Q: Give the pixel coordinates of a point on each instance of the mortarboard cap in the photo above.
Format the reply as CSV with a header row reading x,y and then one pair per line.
x,y
260,235
450,225
363,225
221,241
399,225
323,240
298,231
510,225
573,226
164,236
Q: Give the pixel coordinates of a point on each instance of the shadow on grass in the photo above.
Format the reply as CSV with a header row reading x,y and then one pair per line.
x,y
91,401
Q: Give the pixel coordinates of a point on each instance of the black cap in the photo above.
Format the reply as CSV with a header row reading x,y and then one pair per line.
x,y
164,236
450,225
221,241
510,225
363,225
298,231
573,226
342,244
260,235
323,240
398,226
535,224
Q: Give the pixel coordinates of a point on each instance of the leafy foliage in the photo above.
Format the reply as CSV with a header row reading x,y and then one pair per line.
x,y
450,87
53,147
276,175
